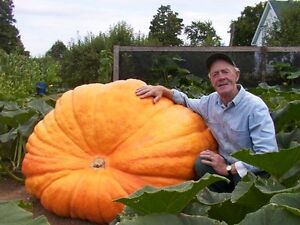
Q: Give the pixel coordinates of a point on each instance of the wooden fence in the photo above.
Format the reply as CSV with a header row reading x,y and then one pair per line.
x,y
256,62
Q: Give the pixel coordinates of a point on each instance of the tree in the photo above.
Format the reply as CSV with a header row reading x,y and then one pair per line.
x,y
202,34
121,34
57,51
10,40
286,31
244,27
166,26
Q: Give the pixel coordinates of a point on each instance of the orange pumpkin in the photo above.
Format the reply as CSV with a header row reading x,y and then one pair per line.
x,y
102,142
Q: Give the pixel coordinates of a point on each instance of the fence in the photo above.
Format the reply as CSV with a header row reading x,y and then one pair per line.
x,y
255,63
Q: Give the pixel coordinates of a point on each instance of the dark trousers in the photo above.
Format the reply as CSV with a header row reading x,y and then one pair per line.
x,y
222,186
219,186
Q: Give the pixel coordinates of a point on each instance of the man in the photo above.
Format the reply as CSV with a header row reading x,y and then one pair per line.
x,y
237,119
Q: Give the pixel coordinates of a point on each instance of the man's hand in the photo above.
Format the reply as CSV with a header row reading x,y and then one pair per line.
x,y
214,160
153,91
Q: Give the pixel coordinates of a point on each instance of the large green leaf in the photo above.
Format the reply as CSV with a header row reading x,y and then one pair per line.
x,y
208,197
272,214
7,105
287,199
196,208
276,163
12,214
292,176
288,139
15,117
171,199
9,136
26,128
273,186
247,194
39,105
229,212
286,115
168,219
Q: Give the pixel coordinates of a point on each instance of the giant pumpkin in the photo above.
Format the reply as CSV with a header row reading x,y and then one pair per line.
x,y
102,142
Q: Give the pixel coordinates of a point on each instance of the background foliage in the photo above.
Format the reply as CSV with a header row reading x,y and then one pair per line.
x,y
19,75
286,31
10,40
245,25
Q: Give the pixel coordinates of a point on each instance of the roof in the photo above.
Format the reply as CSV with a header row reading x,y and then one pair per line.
x,y
278,7
281,6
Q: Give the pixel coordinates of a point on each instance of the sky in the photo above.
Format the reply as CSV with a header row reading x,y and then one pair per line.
x,y
42,22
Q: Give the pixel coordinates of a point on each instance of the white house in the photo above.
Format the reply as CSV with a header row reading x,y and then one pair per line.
x,y
271,14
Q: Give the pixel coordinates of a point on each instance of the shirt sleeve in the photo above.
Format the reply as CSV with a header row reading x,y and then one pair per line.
x,y
262,133
240,168
198,105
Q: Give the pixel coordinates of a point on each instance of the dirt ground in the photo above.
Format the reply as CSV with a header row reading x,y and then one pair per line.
x,y
10,190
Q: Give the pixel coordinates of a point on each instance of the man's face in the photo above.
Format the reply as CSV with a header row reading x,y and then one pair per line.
x,y
223,77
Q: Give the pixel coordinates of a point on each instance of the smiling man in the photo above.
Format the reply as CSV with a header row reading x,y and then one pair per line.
x,y
237,119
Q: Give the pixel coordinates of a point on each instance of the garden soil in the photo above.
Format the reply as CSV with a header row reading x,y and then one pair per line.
x,y
11,190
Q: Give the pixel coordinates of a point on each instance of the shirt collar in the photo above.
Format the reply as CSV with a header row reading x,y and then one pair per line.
x,y
237,99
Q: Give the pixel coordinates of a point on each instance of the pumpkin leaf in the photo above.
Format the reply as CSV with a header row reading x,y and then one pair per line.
x,y
286,115
208,197
13,118
288,139
229,212
273,186
292,176
40,106
12,214
287,199
273,214
247,194
196,208
26,128
163,219
276,163
170,199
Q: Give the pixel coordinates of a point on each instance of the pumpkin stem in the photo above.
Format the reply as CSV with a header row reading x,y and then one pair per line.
x,y
98,163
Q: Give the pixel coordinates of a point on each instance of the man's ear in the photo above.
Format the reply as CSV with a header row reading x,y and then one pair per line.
x,y
237,74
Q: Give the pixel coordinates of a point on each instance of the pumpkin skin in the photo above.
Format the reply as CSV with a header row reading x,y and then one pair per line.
x,y
102,142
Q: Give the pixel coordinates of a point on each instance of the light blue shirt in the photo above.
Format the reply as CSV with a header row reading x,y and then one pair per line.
x,y
244,123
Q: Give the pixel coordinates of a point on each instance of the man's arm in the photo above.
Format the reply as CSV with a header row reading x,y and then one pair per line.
x,y
262,133
197,105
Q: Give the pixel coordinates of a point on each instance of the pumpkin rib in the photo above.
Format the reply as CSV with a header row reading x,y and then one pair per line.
x,y
101,217
49,150
178,135
147,179
76,190
53,181
137,157
113,197
54,194
161,181
119,175
42,124
67,132
137,130
42,185
47,126
74,92
53,164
